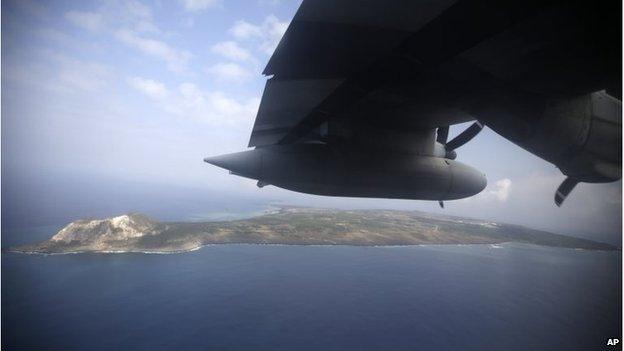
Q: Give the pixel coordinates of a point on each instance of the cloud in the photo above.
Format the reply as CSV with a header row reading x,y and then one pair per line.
x,y
78,76
138,10
245,30
132,14
229,72
89,77
274,32
52,72
591,210
151,88
231,50
91,21
215,108
198,5
114,15
269,2
269,32
501,190
176,59
132,23
55,36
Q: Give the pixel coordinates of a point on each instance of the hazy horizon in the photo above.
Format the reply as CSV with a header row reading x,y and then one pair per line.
x,y
112,105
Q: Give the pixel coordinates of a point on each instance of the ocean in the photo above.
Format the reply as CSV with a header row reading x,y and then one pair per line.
x,y
268,297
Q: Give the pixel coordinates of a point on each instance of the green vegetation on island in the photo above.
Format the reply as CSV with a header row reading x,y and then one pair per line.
x,y
295,226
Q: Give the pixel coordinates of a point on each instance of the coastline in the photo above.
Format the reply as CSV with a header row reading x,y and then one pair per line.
x,y
498,245
292,226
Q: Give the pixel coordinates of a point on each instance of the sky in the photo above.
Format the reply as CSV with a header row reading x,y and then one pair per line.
x,y
111,92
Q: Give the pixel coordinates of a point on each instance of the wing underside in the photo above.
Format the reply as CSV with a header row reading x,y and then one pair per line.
x,y
418,65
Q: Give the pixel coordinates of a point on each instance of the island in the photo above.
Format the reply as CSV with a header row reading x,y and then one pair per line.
x,y
294,226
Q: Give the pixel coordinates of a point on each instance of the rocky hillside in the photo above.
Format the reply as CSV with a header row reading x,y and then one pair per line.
x,y
103,234
122,227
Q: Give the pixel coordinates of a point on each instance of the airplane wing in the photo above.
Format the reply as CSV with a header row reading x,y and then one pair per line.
x,y
391,76
328,45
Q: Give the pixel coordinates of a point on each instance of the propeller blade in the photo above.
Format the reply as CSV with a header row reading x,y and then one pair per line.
x,y
442,135
564,190
464,136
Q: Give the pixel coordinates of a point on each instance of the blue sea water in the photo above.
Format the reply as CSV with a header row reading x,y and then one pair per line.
x,y
254,297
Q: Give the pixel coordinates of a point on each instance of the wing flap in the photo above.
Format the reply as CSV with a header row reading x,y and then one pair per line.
x,y
284,103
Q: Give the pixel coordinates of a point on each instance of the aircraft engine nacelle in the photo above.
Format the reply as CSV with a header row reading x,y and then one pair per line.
x,y
582,135
319,169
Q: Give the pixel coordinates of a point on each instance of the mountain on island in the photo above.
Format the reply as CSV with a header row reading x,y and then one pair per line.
x,y
294,226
